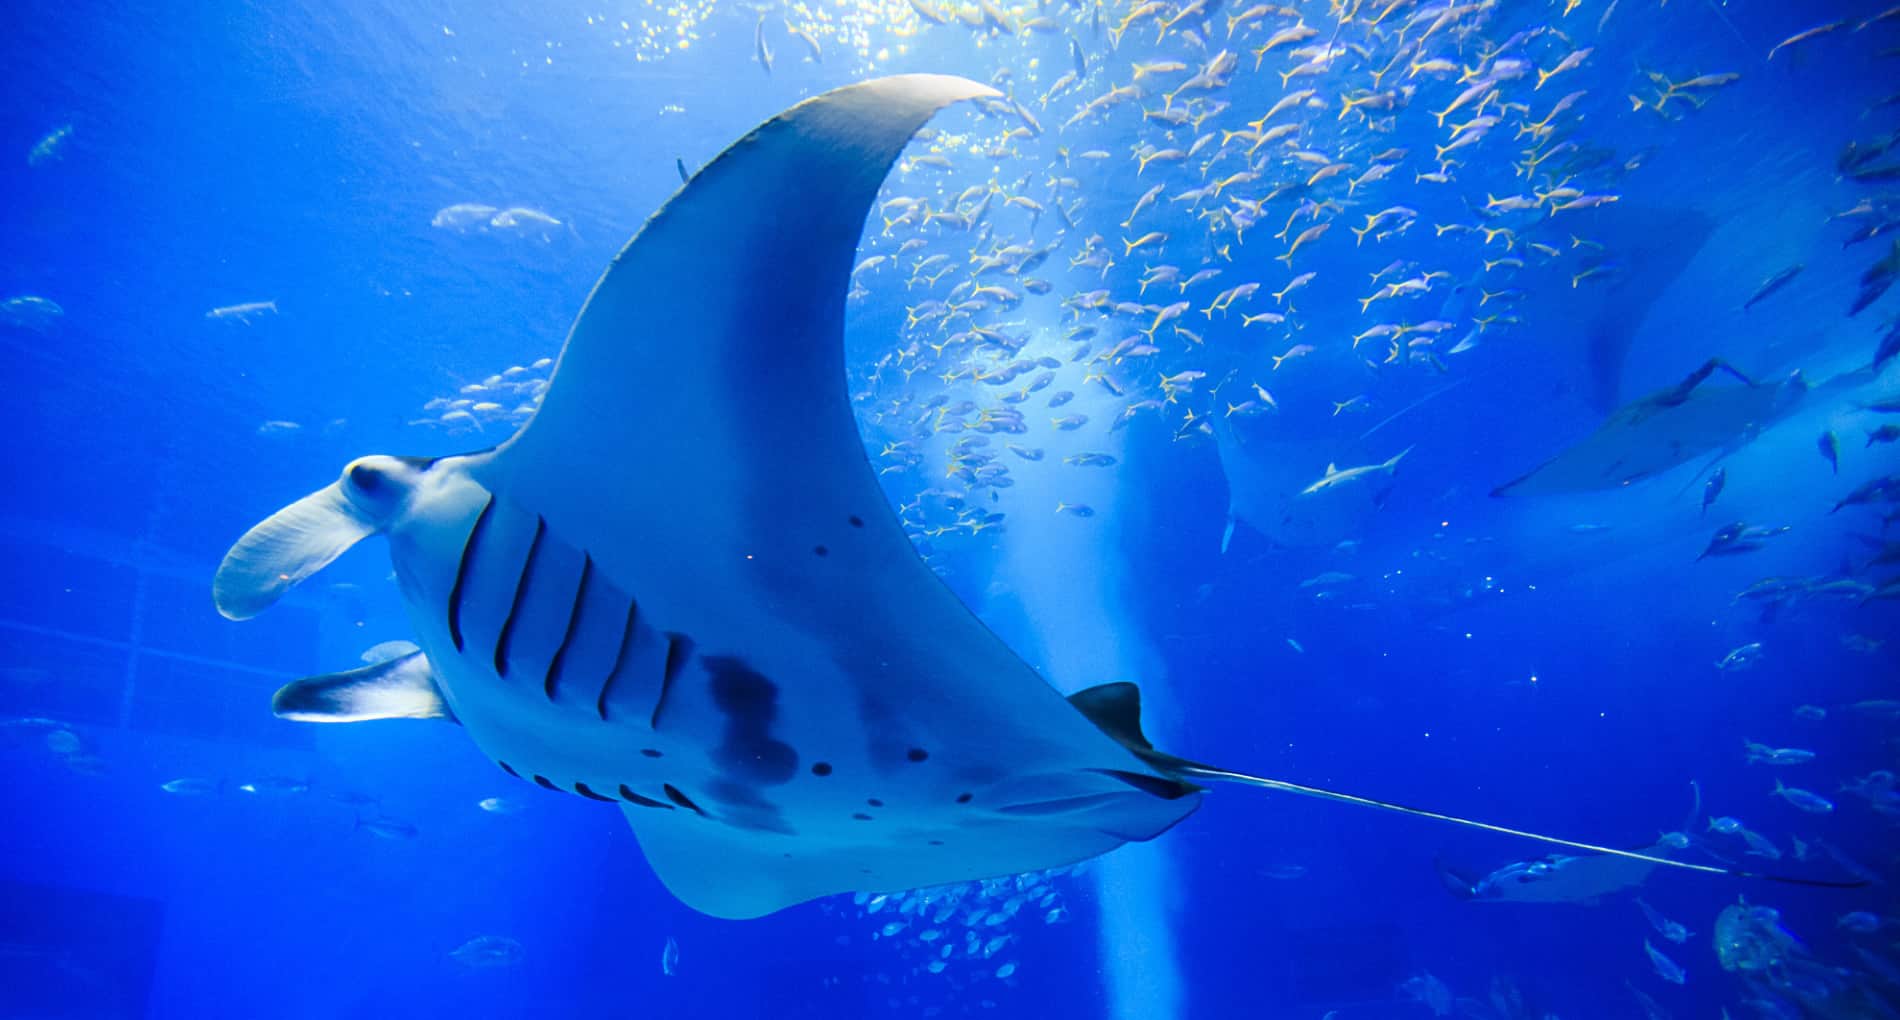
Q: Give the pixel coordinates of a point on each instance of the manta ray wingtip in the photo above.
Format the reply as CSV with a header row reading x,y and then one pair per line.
x,y
943,88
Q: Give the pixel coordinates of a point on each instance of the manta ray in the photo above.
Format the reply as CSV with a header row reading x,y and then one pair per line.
x,y
679,589
1664,429
1563,878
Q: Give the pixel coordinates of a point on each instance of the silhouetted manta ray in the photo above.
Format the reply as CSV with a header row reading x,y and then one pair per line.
x,y
1659,431
679,588
1652,245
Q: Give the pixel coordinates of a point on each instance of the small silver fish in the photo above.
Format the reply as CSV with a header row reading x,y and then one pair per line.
x,y
387,828
1740,658
1807,800
242,313
1772,284
1763,754
48,147
763,51
1669,970
488,951
1674,931
1713,489
276,787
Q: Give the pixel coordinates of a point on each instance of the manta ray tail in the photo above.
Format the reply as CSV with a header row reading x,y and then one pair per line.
x,y
1116,710
1201,772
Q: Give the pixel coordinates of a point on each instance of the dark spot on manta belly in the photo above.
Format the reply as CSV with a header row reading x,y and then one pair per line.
x,y
819,550
874,802
888,730
650,752
820,768
861,816
747,808
856,521
964,798
749,753
740,691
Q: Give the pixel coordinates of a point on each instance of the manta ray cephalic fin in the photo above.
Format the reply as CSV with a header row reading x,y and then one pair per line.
x,y
398,688
285,548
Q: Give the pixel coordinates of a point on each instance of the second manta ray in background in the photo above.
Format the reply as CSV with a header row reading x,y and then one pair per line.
x,y
1670,427
1562,878
680,589
1664,429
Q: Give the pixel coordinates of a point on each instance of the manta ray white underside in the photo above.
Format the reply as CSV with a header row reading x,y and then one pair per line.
x,y
679,588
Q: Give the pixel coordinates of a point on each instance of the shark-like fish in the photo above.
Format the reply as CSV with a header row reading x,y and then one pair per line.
x,y
679,588
1263,489
1365,474
1274,497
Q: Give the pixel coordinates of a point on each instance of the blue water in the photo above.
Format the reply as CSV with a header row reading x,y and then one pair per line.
x,y
1541,662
